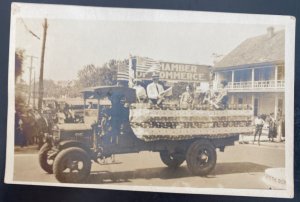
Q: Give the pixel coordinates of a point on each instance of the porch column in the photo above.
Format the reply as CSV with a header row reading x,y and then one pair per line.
x,y
252,78
216,82
232,78
276,75
276,106
252,101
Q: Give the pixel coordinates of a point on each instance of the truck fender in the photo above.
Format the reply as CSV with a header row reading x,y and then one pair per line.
x,y
73,143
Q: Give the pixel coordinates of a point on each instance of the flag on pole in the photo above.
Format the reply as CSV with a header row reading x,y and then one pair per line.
x,y
147,65
123,71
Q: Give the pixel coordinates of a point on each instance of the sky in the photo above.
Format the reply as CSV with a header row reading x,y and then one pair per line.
x,y
72,44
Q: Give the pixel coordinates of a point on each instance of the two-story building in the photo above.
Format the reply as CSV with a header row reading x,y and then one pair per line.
x,y
255,73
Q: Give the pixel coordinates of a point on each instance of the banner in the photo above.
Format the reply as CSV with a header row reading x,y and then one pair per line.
x,y
144,68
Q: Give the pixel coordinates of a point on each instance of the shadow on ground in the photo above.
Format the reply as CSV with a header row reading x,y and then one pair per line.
x,y
167,173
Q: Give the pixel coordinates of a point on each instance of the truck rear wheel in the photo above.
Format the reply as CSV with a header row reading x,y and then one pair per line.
x,y
45,163
201,158
172,160
72,165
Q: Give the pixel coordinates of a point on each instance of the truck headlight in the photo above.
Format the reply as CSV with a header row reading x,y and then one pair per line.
x,y
55,133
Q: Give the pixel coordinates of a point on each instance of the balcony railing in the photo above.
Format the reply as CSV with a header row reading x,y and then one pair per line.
x,y
249,85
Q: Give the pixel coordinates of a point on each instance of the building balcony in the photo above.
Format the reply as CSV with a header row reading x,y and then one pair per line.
x,y
256,86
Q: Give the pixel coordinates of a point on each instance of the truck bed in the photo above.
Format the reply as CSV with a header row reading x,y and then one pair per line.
x,y
151,125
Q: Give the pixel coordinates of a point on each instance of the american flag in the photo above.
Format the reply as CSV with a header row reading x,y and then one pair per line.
x,y
123,71
147,65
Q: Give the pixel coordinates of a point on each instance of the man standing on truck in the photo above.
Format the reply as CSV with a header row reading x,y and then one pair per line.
x,y
154,91
118,115
187,99
140,91
221,99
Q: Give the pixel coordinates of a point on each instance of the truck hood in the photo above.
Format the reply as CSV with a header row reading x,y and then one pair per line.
x,y
74,127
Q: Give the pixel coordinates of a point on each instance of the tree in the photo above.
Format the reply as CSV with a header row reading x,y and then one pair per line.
x,y
20,87
50,89
20,97
61,88
91,75
87,76
19,59
74,90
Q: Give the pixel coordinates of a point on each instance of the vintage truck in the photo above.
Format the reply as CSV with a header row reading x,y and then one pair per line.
x,y
124,126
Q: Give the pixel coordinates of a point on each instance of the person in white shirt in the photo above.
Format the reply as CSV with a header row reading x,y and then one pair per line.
x,y
154,91
61,117
140,91
259,124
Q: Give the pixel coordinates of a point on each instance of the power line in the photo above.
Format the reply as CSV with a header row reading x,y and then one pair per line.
x,y
31,32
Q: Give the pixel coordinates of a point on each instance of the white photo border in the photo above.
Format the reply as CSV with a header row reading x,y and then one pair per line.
x,y
50,11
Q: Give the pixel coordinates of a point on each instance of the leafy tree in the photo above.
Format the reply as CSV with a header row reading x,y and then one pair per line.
x,y
92,75
20,87
88,76
19,59
51,89
58,90
74,90
20,97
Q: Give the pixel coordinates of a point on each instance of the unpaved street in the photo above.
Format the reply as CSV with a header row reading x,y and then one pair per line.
x,y
240,166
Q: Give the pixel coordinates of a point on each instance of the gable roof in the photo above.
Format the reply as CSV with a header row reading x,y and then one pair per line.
x,y
259,49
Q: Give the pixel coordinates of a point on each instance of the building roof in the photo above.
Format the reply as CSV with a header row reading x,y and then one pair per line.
x,y
260,49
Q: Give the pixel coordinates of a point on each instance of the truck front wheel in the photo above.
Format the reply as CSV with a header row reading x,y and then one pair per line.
x,y
72,165
172,160
45,163
201,157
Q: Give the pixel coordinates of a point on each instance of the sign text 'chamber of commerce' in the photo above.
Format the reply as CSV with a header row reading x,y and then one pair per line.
x,y
179,72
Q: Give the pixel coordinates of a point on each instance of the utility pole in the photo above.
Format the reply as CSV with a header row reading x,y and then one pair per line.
x,y
34,97
41,85
30,73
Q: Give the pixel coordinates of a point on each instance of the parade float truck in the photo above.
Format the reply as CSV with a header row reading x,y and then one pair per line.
x,y
123,126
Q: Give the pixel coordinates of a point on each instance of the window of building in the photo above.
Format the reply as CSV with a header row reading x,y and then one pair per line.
x,y
242,75
225,76
264,74
240,101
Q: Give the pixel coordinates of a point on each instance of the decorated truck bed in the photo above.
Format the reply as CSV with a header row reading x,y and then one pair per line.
x,y
175,124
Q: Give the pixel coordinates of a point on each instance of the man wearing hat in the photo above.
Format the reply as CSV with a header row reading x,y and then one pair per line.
x,y
154,90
